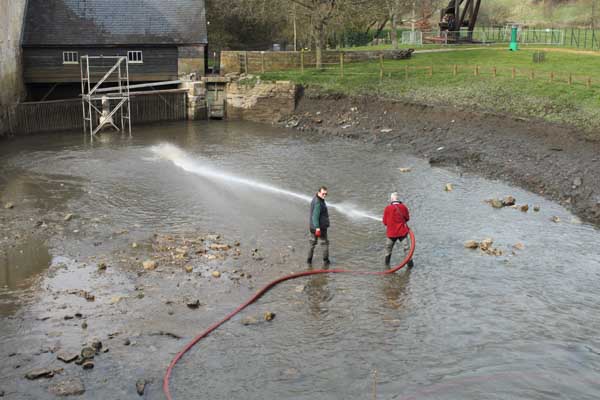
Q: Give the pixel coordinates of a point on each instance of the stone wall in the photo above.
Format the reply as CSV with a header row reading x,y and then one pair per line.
x,y
11,80
257,61
260,101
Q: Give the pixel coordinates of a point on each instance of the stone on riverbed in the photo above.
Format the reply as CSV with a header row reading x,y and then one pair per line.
x,y
39,373
150,265
68,387
471,244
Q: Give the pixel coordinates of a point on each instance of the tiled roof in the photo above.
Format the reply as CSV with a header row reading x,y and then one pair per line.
x,y
112,22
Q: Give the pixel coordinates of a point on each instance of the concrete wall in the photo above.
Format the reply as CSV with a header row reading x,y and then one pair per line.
x,y
257,61
11,81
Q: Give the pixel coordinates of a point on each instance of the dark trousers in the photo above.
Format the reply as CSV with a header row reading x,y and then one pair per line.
x,y
324,244
389,244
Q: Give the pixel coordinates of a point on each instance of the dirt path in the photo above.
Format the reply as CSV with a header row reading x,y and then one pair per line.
x,y
554,161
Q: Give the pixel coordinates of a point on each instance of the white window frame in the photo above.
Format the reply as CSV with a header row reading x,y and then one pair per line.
x,y
135,57
70,57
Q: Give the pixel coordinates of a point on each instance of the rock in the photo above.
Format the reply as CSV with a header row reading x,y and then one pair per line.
x,y
212,237
536,208
216,274
525,207
237,244
150,265
134,245
84,325
189,268
519,246
116,299
140,386
96,345
87,353
9,205
404,170
268,316
126,342
299,289
219,247
39,373
102,266
555,219
508,201
1,393
486,244
577,182
496,203
68,217
67,357
210,257
448,187
249,321
89,364
68,387
471,244
193,304
386,130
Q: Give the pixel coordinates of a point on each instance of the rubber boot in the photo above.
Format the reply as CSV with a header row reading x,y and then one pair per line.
x,y
387,260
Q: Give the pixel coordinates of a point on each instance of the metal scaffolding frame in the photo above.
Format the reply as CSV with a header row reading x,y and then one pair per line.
x,y
97,112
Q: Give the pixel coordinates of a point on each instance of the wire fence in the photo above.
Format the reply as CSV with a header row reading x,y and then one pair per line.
x,y
382,71
578,38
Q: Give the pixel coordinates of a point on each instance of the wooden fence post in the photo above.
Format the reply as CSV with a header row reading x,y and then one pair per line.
x,y
262,61
514,72
570,79
381,67
430,70
589,82
455,70
532,75
302,61
494,72
342,64
552,76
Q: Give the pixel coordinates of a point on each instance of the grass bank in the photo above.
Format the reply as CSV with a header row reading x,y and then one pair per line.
x,y
565,88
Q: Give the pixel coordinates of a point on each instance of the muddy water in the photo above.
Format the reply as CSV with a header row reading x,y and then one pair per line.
x,y
460,325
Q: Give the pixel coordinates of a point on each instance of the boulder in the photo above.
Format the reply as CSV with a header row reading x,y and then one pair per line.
x,y
216,274
448,187
524,208
486,244
268,316
67,357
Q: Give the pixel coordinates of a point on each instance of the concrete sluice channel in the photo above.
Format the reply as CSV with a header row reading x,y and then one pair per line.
x,y
462,324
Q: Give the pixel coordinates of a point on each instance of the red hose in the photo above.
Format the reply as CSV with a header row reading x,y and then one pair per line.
x,y
266,289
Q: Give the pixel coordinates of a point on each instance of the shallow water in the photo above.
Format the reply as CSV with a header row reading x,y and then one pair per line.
x,y
460,325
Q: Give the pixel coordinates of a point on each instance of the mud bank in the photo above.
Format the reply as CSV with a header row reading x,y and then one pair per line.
x,y
555,161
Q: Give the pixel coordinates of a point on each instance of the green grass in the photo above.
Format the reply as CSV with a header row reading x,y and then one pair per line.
x,y
556,101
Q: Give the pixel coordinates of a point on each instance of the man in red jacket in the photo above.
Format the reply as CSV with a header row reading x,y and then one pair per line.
x,y
395,217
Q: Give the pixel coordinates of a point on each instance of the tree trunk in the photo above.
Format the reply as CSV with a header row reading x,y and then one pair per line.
x,y
319,35
394,33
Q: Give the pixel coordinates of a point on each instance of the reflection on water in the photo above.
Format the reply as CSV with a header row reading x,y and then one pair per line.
x,y
18,266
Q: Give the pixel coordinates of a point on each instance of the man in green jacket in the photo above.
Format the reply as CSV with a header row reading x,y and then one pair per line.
x,y
319,223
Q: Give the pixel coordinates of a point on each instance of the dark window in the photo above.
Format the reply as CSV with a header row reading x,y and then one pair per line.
x,y
70,57
135,57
